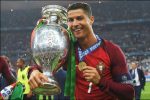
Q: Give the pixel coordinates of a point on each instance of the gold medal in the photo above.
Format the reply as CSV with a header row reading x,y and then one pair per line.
x,y
81,65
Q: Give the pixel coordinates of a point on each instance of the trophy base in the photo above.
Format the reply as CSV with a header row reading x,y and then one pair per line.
x,y
48,89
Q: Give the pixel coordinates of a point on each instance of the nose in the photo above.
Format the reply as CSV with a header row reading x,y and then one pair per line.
x,y
75,23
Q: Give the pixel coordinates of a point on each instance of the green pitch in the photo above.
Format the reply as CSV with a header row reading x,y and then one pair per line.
x,y
146,92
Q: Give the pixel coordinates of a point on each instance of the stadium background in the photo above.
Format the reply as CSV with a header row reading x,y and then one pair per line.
x,y
126,23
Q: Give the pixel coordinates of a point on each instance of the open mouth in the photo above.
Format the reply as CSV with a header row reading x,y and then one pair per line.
x,y
76,30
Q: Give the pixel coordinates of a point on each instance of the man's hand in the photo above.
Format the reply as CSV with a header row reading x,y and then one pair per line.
x,y
91,74
36,79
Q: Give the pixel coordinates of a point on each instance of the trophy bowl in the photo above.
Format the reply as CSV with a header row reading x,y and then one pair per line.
x,y
50,46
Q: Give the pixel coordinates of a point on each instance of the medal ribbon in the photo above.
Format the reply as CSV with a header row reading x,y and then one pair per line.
x,y
71,70
88,50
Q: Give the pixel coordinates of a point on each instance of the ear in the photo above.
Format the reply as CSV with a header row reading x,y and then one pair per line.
x,y
91,20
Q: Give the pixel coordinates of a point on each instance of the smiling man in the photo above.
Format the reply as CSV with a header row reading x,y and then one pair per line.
x,y
101,72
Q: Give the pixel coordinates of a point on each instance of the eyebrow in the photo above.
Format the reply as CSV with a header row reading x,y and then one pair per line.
x,y
76,16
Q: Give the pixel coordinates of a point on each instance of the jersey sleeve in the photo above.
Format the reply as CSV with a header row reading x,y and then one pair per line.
x,y
121,83
7,73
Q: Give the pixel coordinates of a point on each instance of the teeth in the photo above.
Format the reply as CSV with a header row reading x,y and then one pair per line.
x,y
77,29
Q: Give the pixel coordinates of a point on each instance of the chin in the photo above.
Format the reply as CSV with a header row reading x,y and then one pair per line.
x,y
78,35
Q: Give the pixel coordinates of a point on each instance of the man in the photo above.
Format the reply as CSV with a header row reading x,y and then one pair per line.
x,y
11,67
138,79
3,81
7,79
101,72
5,71
22,76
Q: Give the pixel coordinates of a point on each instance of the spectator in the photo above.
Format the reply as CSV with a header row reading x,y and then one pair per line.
x,y
22,76
138,79
5,71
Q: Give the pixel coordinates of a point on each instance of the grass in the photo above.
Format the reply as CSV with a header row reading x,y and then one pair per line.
x,y
146,92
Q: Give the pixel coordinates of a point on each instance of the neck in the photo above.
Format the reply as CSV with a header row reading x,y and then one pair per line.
x,y
87,41
22,67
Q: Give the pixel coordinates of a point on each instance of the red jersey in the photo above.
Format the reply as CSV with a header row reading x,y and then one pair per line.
x,y
113,88
4,69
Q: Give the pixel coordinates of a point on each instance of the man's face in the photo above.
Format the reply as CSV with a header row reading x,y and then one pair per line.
x,y
19,63
79,23
134,65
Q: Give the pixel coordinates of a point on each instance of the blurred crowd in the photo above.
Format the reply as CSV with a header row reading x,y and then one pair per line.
x,y
133,38
103,12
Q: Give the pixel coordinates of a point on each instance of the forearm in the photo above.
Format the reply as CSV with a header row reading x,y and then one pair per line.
x,y
121,90
120,75
8,75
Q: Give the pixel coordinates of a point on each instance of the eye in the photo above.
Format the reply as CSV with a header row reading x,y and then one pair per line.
x,y
79,18
70,20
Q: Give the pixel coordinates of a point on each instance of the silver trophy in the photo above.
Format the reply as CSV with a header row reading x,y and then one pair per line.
x,y
50,46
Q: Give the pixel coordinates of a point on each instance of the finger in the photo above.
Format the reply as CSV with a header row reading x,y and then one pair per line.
x,y
34,84
31,85
86,74
39,81
89,75
43,78
89,71
88,78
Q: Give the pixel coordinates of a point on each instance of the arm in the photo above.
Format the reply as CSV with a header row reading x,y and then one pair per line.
x,y
142,79
118,86
10,78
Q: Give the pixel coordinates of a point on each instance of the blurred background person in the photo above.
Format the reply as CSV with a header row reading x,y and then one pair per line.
x,y
5,73
11,66
138,79
22,76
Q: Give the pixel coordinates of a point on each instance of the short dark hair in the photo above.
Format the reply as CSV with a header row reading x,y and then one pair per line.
x,y
22,60
80,5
